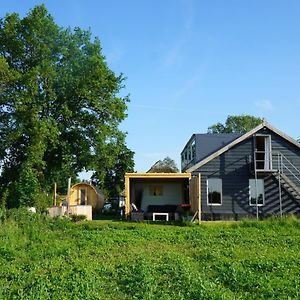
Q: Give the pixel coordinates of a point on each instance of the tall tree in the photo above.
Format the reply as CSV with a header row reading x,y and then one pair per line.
x,y
238,124
167,165
59,106
111,179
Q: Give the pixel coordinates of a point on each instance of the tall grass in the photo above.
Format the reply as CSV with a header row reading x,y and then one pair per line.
x,y
42,258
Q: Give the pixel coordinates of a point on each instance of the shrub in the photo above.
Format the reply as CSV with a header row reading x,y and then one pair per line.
x,y
77,218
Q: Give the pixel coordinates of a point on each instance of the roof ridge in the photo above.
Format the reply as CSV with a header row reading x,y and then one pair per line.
x,y
239,140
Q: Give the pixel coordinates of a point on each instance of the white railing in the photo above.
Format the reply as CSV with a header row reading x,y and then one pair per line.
x,y
285,166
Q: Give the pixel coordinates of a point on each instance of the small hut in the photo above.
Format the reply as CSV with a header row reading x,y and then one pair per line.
x,y
84,193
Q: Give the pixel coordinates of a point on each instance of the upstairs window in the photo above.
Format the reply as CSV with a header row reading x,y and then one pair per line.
x,y
193,149
256,191
214,191
188,154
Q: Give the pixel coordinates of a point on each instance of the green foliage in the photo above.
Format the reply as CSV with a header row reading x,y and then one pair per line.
x,y
167,165
27,187
59,108
77,218
111,178
236,124
43,258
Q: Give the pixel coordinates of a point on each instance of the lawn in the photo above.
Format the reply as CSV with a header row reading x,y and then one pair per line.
x,y
42,258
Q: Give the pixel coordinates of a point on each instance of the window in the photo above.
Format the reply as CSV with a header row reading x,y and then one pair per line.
x,y
256,189
193,149
82,197
156,190
214,191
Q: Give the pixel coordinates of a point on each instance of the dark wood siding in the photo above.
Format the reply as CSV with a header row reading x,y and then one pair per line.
x,y
235,168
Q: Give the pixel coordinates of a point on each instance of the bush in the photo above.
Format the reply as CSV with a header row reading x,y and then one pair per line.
x,y
2,215
77,218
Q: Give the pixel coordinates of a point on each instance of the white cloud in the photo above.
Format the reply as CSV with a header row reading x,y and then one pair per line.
x,y
189,13
190,83
175,53
264,105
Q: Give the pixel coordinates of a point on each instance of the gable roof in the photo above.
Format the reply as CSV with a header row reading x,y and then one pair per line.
x,y
239,140
162,167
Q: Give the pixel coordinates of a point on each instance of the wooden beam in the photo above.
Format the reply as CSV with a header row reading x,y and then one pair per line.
x,y
159,175
127,196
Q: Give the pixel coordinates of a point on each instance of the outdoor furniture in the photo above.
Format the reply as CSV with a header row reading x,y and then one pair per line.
x,y
169,209
160,214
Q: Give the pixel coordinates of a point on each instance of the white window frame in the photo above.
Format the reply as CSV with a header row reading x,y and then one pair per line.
x,y
268,152
193,149
263,185
207,197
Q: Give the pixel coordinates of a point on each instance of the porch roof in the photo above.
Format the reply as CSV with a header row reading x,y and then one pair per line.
x,y
159,175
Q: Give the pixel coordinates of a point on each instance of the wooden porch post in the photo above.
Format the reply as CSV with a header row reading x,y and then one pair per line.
x,y
127,196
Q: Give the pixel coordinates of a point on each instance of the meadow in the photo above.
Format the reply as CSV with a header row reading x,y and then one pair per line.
x,y
42,258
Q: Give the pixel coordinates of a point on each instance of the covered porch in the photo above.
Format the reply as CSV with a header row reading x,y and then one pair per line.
x,y
156,196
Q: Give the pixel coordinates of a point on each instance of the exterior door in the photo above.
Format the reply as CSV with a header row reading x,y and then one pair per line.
x,y
263,152
82,196
195,193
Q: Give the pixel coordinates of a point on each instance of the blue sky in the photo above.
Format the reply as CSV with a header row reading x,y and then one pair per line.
x,y
190,64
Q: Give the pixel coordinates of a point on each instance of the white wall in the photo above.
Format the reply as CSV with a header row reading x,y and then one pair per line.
x,y
172,193
73,209
85,210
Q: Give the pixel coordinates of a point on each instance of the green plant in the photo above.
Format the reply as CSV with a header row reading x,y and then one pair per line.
x,y
55,258
77,218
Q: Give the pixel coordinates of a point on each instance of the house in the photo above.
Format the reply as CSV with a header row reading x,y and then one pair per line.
x,y
156,195
241,175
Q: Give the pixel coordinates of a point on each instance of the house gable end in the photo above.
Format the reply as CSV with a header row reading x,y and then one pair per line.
x,y
240,139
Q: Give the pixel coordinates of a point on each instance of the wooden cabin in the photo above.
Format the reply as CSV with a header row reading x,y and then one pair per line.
x,y
86,194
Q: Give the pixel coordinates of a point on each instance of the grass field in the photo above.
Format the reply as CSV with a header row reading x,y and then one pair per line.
x,y
57,259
